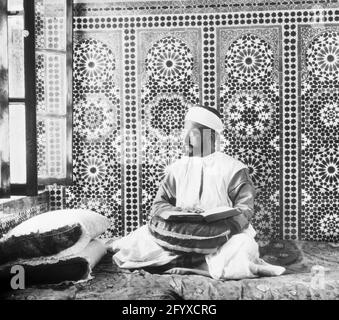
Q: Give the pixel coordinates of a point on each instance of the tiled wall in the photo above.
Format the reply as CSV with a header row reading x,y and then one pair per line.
x,y
270,68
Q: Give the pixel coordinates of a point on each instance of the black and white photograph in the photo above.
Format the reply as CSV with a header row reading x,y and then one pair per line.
x,y
169,151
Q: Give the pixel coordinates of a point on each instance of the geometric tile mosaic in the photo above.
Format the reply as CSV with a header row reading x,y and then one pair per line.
x,y
250,102
319,105
97,161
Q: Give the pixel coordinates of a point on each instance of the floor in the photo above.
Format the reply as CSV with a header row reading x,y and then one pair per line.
x,y
301,259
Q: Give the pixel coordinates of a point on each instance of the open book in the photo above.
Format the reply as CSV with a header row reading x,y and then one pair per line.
x,y
210,215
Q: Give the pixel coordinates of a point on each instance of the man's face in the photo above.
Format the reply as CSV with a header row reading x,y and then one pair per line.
x,y
192,134
198,139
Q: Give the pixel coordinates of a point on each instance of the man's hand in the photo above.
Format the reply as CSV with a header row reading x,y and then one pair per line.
x,y
194,209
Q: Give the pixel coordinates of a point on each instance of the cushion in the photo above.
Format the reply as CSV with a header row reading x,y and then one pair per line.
x,y
57,269
189,236
63,232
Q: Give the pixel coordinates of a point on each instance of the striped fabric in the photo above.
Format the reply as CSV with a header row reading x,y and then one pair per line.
x,y
199,237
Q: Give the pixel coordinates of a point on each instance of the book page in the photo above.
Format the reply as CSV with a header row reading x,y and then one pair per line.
x,y
173,214
217,210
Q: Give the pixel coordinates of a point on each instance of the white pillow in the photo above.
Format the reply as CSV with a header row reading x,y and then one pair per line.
x,y
92,225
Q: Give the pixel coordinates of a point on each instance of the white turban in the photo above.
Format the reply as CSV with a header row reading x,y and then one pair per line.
x,y
205,117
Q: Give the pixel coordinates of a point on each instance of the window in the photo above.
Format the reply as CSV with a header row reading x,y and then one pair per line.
x,y
35,95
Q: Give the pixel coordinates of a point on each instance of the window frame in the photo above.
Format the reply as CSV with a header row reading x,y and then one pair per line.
x,y
30,100
33,182
30,188
4,106
68,180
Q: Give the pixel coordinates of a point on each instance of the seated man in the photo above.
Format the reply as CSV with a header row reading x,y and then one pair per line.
x,y
203,179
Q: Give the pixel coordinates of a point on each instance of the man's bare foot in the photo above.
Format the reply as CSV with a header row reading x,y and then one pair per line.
x,y
201,270
184,271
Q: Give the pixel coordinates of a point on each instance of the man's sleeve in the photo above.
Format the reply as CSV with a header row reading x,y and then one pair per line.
x,y
166,196
242,193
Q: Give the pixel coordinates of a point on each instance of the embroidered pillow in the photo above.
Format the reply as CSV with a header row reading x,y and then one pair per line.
x,y
190,236
63,232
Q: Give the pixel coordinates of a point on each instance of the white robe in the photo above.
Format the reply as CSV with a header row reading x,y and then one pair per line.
x,y
238,258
